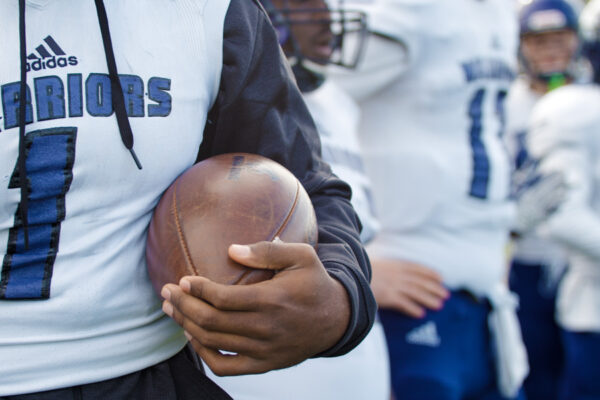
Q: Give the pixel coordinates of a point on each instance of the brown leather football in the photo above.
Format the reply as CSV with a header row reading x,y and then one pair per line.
x,y
230,198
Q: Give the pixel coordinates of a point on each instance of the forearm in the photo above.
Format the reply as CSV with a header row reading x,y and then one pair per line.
x,y
260,110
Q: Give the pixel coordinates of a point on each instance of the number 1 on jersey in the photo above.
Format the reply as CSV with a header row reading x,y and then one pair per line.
x,y
26,273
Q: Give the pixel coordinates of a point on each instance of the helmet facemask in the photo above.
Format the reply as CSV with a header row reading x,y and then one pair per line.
x,y
313,36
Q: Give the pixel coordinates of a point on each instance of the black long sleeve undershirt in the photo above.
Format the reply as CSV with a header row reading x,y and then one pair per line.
x,y
259,109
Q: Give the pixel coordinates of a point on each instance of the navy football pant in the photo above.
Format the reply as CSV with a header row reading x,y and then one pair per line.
x,y
582,366
446,355
541,334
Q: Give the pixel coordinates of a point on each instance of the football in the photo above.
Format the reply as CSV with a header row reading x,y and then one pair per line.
x,y
234,198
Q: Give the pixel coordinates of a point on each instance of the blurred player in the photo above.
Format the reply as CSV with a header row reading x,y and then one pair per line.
x,y
431,89
549,54
590,32
312,36
565,138
80,80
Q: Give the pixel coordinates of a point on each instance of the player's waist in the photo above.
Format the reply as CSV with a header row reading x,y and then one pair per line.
x,y
476,265
48,365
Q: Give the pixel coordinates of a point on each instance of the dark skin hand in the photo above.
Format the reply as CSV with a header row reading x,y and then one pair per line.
x,y
273,324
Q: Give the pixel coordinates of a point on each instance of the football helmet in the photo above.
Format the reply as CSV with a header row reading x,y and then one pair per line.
x,y
314,34
589,21
550,42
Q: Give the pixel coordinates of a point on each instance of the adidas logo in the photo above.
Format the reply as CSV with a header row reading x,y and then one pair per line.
x,y
43,58
425,335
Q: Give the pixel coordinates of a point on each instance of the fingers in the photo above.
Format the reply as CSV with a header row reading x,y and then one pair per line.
x,y
275,255
432,288
229,342
224,364
424,297
426,278
415,301
223,341
197,316
410,308
225,297
230,364
276,323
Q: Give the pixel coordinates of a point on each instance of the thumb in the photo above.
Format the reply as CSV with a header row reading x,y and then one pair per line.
x,y
274,255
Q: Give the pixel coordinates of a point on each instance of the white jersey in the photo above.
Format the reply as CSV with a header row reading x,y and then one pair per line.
x,y
565,137
431,133
521,99
337,116
102,318
363,373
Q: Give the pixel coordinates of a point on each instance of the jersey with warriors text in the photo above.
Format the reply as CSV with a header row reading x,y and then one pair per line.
x,y
565,138
77,306
432,133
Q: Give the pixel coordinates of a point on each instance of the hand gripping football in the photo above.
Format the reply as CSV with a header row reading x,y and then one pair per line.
x,y
230,198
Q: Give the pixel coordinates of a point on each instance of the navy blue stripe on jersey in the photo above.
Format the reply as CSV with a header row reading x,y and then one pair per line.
x,y
481,163
26,272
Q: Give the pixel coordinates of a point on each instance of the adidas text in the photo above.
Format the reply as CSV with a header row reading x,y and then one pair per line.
x,y
51,63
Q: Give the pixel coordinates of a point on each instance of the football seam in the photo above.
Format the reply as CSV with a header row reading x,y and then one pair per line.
x,y
290,212
283,225
182,241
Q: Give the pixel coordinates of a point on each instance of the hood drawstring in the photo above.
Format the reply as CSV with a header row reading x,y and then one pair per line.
x,y
22,167
118,101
